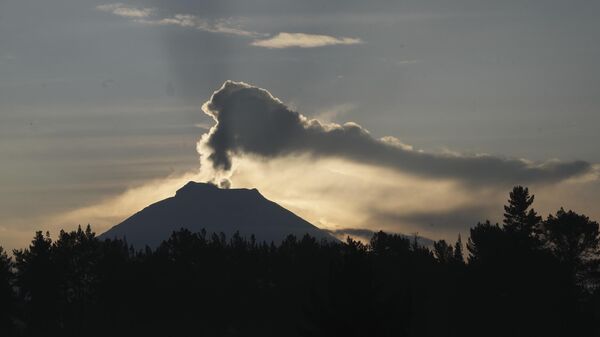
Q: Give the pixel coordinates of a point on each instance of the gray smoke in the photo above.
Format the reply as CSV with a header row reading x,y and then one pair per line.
x,y
251,121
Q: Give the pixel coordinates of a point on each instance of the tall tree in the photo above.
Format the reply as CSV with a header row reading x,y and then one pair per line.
x,y
458,251
389,244
443,251
519,218
574,239
486,242
7,298
74,255
38,284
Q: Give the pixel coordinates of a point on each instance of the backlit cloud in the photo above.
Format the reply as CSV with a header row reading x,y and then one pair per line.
x,y
250,121
301,40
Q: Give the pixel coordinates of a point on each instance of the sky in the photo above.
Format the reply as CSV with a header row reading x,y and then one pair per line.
x,y
408,116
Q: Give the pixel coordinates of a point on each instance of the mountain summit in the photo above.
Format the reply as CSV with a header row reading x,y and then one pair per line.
x,y
198,206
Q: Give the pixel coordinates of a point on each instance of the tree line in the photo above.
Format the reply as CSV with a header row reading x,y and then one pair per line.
x,y
525,277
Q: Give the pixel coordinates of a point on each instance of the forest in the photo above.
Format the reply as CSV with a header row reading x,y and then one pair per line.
x,y
527,276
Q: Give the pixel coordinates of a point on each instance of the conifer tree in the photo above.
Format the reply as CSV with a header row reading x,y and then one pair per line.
x,y
458,251
443,251
518,216
7,298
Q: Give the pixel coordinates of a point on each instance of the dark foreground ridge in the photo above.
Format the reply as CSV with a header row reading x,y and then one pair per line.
x,y
527,277
198,206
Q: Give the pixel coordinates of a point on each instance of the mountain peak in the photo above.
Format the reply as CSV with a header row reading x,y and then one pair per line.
x,y
196,187
193,188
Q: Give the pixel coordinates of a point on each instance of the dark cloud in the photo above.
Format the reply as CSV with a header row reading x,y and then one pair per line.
x,y
458,218
251,121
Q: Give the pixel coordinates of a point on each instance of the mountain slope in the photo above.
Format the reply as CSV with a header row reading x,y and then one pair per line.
x,y
198,206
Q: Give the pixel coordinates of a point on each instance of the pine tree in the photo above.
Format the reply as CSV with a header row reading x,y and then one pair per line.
x,y
443,251
458,251
519,218
7,298
37,281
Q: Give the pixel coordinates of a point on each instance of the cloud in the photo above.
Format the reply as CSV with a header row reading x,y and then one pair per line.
x,y
126,11
457,218
227,26
145,16
250,121
403,62
302,40
335,111
221,26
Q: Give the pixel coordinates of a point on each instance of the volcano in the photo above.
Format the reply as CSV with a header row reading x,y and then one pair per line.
x,y
198,206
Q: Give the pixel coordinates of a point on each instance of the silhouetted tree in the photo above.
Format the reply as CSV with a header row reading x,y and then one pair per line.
x,y
38,284
458,251
575,241
519,218
389,244
7,296
75,255
486,243
516,279
443,252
